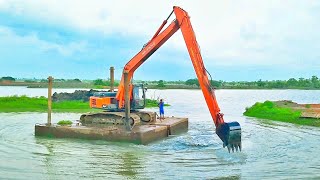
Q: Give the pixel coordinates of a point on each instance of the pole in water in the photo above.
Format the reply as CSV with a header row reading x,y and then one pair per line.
x,y
111,79
50,79
126,100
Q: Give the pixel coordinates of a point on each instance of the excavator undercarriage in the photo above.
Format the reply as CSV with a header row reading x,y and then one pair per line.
x,y
107,118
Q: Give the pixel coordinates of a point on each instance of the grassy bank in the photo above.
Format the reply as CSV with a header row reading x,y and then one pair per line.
x,y
40,104
269,110
153,103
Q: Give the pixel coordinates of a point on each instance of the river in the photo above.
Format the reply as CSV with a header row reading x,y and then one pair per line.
x,y
271,150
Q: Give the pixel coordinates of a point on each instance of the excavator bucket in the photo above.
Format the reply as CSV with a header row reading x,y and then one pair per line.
x,y
230,134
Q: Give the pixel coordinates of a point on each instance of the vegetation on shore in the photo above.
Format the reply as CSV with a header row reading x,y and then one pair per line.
x,y
40,104
153,103
64,122
292,83
269,110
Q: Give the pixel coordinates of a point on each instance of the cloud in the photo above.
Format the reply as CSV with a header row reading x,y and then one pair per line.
x,y
230,33
9,37
237,32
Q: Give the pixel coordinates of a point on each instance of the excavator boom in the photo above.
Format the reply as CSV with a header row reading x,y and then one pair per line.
x,y
229,133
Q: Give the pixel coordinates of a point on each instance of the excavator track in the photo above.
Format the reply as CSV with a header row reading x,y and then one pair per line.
x,y
116,118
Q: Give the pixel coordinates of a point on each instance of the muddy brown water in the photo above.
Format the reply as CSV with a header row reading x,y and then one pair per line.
x,y
271,150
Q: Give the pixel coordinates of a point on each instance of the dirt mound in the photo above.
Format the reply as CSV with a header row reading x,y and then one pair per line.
x,y
287,103
307,110
78,95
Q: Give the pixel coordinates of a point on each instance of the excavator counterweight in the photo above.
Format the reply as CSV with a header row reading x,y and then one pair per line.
x,y
228,132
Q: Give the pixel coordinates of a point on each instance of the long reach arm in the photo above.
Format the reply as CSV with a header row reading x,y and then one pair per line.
x,y
229,133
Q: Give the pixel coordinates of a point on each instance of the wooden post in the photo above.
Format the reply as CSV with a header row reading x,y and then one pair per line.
x,y
126,100
111,79
50,79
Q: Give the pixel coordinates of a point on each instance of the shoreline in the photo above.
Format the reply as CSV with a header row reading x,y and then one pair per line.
x,y
16,104
154,87
283,111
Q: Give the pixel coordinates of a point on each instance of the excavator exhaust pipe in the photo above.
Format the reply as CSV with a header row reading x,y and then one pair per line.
x,y
230,134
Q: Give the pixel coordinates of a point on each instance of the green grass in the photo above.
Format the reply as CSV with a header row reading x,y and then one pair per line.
x,y
269,110
64,122
40,104
153,103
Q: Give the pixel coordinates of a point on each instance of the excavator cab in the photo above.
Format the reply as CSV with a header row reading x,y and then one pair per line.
x,y
138,100
107,100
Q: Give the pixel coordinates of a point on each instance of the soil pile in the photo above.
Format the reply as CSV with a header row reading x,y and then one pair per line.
x,y
307,110
78,95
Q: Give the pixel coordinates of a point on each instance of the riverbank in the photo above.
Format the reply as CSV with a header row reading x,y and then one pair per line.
x,y
40,104
166,85
284,111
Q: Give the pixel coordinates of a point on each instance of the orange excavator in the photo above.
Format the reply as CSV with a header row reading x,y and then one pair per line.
x,y
113,102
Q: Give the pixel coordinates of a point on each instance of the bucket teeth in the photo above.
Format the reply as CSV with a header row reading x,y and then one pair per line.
x,y
237,147
230,134
234,147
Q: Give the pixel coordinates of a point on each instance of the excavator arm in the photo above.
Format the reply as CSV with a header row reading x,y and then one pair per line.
x,y
229,133
148,49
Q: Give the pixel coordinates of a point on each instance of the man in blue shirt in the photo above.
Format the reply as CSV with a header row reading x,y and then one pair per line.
x,y
161,104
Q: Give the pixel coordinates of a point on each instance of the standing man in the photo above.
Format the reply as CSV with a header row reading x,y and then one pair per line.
x,y
161,104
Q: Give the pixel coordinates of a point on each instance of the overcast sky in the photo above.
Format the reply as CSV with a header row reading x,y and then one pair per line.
x,y
239,40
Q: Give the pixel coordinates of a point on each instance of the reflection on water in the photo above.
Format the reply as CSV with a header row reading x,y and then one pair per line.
x,y
48,155
271,149
130,164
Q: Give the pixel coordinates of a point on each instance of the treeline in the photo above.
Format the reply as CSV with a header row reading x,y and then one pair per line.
x,y
292,83
7,78
101,82
55,80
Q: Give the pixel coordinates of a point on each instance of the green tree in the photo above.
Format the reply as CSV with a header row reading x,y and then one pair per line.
x,y
301,82
279,84
161,84
314,79
261,83
292,82
216,83
192,82
98,82
77,80
29,81
8,78
44,80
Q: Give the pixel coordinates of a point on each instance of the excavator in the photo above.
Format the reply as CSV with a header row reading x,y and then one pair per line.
x,y
113,103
